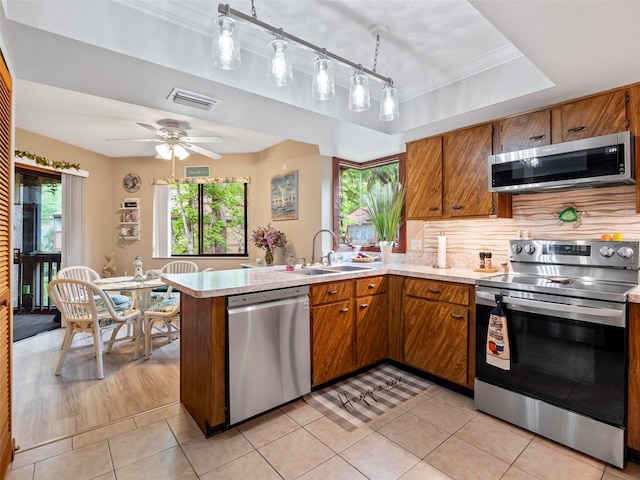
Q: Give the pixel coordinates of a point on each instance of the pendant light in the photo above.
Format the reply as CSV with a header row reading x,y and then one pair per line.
x,y
389,105
279,70
359,98
226,46
323,86
226,54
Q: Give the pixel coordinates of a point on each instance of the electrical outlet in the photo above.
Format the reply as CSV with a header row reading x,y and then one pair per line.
x,y
416,244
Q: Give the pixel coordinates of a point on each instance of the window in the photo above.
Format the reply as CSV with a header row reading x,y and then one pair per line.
x,y
351,180
208,219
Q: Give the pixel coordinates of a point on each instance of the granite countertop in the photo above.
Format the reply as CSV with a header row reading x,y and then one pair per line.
x,y
634,296
245,280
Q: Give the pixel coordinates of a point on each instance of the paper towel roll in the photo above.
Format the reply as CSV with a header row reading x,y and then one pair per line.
x,y
442,250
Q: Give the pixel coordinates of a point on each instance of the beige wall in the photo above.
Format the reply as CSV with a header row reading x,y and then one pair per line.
x,y
97,190
104,194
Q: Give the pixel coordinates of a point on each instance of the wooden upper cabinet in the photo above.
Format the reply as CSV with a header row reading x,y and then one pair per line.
x,y
592,117
525,131
466,182
424,178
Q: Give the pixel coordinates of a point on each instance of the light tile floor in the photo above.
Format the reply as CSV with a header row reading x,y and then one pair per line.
x,y
437,435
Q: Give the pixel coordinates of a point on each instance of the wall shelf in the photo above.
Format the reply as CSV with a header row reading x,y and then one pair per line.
x,y
130,219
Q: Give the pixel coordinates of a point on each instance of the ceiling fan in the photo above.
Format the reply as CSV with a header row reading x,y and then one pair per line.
x,y
173,141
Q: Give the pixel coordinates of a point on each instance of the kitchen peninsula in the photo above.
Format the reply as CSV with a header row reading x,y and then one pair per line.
x,y
203,322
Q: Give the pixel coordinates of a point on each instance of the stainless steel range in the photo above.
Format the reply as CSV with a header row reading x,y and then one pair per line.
x,y
566,310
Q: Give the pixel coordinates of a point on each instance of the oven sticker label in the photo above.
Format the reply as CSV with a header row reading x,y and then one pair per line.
x,y
498,340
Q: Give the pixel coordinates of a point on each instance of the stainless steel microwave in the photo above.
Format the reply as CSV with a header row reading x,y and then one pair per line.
x,y
592,162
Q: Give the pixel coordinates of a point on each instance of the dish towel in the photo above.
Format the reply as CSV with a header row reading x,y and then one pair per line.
x,y
498,338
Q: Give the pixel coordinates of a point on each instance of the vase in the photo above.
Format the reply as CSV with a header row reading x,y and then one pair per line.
x,y
268,258
386,248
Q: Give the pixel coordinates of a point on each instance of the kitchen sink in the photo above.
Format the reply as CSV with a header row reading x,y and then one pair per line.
x,y
313,271
347,268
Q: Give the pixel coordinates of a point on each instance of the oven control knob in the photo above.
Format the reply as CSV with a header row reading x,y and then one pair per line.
x,y
625,252
516,248
607,251
529,248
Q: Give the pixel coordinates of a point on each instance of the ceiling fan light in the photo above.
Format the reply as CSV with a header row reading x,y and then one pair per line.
x,y
180,152
359,98
279,70
323,86
225,50
164,151
389,104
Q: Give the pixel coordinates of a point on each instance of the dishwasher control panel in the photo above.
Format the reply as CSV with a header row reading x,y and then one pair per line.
x,y
244,299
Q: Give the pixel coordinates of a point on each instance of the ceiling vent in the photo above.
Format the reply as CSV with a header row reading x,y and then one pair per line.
x,y
193,100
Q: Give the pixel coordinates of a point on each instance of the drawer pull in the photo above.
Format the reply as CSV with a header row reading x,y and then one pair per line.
x,y
457,207
577,129
535,138
344,310
372,285
431,290
434,209
457,316
332,292
364,305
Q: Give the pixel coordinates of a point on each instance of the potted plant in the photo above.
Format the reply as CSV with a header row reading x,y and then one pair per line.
x,y
384,203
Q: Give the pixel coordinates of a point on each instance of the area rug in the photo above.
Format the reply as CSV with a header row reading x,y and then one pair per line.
x,y
360,399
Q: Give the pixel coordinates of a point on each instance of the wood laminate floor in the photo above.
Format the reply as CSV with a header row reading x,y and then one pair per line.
x,y
46,407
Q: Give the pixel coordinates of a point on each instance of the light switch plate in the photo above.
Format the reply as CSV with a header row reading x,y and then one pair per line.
x,y
416,244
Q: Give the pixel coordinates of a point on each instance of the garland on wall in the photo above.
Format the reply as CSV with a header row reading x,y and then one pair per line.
x,y
45,162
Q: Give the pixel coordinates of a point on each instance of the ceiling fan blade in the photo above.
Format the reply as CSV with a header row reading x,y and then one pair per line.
x,y
204,139
151,128
156,140
203,151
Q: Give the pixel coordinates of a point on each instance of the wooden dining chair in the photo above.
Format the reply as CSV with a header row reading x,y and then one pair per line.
x,y
85,307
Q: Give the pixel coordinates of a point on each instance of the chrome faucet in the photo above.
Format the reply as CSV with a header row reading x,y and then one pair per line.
x,y
313,247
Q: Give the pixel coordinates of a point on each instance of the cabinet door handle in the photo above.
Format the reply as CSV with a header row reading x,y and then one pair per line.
x,y
457,316
364,305
433,209
372,285
431,290
537,137
577,129
457,207
344,310
332,292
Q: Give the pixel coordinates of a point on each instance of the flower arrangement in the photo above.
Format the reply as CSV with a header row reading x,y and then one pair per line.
x,y
268,238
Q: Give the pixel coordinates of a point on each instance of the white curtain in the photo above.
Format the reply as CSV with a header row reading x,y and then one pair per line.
x,y
72,220
161,221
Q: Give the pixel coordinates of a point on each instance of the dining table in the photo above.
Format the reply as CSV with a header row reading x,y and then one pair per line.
x,y
140,290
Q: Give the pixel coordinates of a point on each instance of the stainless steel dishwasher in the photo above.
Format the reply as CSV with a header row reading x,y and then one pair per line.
x,y
268,350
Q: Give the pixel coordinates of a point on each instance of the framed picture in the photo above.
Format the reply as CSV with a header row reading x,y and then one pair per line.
x,y
361,235
284,196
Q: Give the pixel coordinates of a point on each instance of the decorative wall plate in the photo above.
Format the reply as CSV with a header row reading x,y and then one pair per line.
x,y
131,182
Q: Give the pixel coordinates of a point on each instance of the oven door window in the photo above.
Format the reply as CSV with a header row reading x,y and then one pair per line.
x,y
575,365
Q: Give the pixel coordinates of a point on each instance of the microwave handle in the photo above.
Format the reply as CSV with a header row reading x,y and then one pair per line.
x,y
604,316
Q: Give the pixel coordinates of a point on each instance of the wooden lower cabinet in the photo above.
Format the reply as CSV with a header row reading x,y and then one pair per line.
x,y
372,329
349,327
437,317
333,341
435,338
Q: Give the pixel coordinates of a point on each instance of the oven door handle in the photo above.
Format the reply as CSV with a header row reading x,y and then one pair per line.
x,y
603,316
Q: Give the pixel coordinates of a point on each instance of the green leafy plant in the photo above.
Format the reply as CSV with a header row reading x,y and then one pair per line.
x,y
384,202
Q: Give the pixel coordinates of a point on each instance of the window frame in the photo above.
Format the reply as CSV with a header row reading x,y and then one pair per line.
x,y
337,165
201,228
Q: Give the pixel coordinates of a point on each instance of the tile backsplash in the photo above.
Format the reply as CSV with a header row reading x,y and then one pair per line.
x,y
608,210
